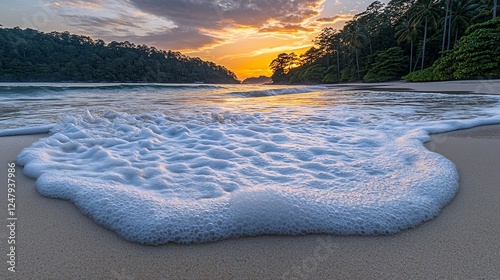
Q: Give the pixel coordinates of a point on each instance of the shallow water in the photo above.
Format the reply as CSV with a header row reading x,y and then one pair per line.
x,y
197,163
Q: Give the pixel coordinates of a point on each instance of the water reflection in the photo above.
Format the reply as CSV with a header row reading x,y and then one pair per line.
x,y
35,104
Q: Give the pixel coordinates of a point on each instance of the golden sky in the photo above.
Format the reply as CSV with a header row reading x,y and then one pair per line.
x,y
242,35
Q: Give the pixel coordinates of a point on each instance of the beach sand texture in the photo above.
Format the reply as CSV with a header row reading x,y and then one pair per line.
x,y
54,240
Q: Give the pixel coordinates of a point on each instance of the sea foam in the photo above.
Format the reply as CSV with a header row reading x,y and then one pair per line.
x,y
155,179
277,91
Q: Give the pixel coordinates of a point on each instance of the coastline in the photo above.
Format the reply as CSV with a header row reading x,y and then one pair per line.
x,y
55,240
453,87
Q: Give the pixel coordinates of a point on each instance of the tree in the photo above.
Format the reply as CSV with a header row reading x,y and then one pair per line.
x,y
404,23
478,53
387,66
310,56
465,10
279,63
30,55
495,5
395,10
313,74
371,21
324,41
407,31
293,61
445,29
282,65
425,11
284,62
355,38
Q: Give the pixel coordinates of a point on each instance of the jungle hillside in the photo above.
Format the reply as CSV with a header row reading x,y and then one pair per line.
x,y
32,56
413,40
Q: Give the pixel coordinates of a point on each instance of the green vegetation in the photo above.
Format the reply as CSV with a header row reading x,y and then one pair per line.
x,y
475,55
445,39
29,56
387,65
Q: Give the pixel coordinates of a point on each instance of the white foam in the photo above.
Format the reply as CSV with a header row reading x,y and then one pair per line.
x,y
203,177
26,130
278,91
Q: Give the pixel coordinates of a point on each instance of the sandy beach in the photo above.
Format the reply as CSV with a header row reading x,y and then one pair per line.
x,y
54,240
464,86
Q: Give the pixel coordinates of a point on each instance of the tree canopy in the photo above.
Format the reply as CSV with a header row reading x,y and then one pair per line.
x,y
429,35
33,56
475,55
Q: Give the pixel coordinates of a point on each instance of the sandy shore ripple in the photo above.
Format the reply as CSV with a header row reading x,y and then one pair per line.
x,y
56,241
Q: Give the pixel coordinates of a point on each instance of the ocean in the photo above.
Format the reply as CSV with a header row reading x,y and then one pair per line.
x,y
163,163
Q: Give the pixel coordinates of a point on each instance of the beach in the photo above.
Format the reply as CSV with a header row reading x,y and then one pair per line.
x,y
130,148
464,86
54,240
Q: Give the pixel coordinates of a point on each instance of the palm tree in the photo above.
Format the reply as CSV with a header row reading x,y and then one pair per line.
x,y
448,14
407,32
334,44
450,19
495,2
355,38
465,10
486,9
426,11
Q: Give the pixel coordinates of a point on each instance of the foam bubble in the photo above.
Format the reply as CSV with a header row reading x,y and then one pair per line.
x,y
154,180
218,165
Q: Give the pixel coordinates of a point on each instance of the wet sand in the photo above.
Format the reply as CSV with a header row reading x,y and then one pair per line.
x,y
467,86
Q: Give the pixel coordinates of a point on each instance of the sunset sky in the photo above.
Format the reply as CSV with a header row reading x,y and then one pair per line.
x,y
243,35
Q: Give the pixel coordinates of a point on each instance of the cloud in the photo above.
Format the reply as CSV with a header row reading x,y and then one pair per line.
x,y
263,51
90,4
288,28
219,14
334,19
113,21
176,39
101,22
187,25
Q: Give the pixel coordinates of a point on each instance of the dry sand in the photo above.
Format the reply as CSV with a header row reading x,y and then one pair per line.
x,y
55,241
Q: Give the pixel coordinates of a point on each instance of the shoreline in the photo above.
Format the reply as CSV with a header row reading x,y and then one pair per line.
x,y
55,240
450,87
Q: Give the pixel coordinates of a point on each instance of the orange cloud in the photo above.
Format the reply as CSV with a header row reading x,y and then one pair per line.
x,y
243,35
335,19
288,28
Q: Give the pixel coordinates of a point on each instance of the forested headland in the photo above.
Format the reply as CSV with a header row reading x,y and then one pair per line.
x,y
416,40
32,56
257,80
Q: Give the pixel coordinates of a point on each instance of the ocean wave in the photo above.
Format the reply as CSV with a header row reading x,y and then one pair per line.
x,y
23,89
278,91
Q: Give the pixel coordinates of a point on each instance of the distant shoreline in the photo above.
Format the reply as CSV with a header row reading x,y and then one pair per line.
x,y
460,86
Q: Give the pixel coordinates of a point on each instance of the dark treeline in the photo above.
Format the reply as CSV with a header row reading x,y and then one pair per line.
x,y
32,56
257,80
419,40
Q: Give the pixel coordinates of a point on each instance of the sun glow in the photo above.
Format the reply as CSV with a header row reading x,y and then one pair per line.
x,y
244,38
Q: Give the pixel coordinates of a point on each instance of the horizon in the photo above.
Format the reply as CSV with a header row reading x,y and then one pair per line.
x,y
243,37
